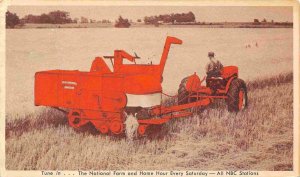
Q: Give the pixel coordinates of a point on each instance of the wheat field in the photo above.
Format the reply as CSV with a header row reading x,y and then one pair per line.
x,y
258,138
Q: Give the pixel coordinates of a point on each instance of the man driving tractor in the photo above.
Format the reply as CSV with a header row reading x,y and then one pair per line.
x,y
213,68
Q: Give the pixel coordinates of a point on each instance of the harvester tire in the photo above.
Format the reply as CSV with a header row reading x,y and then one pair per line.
x,y
182,92
237,98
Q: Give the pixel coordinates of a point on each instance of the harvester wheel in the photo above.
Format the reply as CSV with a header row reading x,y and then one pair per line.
x,y
142,129
116,127
182,92
237,96
75,119
103,129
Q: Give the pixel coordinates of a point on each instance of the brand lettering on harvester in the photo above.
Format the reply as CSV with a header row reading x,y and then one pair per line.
x,y
69,84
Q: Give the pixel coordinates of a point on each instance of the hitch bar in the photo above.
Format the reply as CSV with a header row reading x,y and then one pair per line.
x,y
176,111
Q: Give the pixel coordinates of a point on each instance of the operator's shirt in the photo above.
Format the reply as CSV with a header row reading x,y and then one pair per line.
x,y
213,65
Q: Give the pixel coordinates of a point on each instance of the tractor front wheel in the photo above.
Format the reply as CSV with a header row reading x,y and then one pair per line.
x,y
237,98
182,92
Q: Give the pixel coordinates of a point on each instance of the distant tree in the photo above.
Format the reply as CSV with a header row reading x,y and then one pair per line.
x,y
256,20
272,21
264,20
11,20
44,18
189,17
150,20
59,17
139,20
105,21
84,20
31,19
76,20
122,23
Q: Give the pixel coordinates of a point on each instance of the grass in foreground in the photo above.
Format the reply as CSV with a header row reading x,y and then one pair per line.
x,y
259,138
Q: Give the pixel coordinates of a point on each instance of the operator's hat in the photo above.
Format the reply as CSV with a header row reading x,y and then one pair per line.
x,y
211,54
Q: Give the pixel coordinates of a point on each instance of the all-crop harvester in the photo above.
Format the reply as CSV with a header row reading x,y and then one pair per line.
x,y
104,97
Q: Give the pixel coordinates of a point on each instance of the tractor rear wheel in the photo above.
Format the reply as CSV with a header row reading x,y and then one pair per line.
x,y
237,98
182,92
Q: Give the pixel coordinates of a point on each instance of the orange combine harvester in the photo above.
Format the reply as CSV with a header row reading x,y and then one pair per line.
x,y
104,97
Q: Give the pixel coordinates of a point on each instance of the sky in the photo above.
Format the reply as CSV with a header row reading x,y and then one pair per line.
x,y
202,13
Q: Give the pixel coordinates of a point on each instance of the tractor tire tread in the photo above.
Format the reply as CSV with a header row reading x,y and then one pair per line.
x,y
233,94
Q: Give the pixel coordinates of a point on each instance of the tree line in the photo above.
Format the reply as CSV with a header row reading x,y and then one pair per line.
x,y
54,17
63,17
171,18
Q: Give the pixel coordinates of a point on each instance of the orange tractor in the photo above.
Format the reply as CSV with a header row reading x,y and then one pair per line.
x,y
104,97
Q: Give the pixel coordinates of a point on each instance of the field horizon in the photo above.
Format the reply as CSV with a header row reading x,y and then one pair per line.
x,y
258,138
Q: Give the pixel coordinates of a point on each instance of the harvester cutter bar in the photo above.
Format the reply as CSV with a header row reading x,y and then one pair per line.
x,y
164,119
176,108
177,111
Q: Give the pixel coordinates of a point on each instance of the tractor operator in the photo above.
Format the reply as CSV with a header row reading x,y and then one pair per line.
x,y
214,67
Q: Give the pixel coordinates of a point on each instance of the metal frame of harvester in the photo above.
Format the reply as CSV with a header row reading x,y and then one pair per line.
x,y
102,96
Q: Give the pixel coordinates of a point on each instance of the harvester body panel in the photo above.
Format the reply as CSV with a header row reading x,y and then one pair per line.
x,y
79,90
100,96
